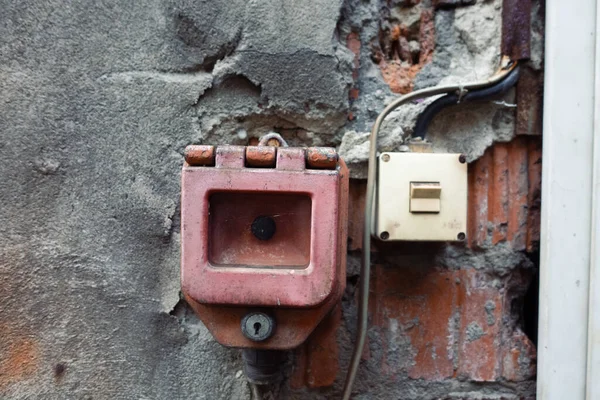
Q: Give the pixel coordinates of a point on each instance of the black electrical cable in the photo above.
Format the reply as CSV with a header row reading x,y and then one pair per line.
x,y
450,99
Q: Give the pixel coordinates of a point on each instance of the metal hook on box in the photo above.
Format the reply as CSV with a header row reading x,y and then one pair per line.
x,y
267,139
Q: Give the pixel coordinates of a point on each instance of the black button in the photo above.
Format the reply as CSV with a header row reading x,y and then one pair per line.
x,y
263,227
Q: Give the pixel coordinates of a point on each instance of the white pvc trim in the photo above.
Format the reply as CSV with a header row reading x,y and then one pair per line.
x,y
593,356
567,365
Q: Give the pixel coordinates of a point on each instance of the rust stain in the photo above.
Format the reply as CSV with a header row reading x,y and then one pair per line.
x,y
19,358
530,97
261,156
516,29
197,155
321,157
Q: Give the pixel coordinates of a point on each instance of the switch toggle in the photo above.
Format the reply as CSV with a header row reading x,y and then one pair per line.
x,y
425,197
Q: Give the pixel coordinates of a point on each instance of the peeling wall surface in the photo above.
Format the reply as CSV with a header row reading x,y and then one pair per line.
x,y
98,100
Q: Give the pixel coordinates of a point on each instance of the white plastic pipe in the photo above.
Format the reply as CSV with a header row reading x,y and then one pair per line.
x,y
569,321
593,360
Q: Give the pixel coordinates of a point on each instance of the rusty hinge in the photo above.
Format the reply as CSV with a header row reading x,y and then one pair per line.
x,y
261,157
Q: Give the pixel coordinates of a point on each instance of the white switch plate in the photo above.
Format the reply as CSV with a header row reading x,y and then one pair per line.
x,y
392,217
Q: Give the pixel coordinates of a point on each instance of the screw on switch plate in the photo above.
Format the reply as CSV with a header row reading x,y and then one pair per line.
x,y
258,326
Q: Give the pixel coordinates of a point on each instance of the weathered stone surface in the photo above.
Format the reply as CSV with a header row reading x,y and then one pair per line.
x,y
97,102
354,148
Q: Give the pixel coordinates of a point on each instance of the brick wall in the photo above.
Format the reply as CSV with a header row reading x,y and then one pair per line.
x,y
443,313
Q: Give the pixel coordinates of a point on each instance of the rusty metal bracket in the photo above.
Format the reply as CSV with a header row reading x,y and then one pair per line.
x,y
272,139
321,158
516,29
261,156
199,155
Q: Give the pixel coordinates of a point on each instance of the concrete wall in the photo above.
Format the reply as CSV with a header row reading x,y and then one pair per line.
x,y
98,99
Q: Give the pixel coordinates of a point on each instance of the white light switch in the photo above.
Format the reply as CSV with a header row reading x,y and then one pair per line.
x,y
425,197
421,197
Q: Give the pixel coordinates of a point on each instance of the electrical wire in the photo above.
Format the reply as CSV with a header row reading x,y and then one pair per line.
x,y
506,66
453,98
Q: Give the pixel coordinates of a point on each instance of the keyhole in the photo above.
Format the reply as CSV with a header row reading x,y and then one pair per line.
x,y
257,326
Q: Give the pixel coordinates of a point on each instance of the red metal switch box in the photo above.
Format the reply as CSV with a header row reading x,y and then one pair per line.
x,y
263,241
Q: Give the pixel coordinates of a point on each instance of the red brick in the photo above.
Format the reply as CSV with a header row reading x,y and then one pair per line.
x,y
504,195
479,182
443,315
518,191
479,358
353,44
427,36
422,301
400,76
498,192
520,358
432,307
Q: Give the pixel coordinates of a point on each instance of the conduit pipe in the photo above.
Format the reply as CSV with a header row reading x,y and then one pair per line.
x,y
569,315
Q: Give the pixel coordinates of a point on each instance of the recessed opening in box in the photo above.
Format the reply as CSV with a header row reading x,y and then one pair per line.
x,y
271,230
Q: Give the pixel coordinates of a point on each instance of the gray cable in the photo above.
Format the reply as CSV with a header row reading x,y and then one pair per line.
x,y
255,392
